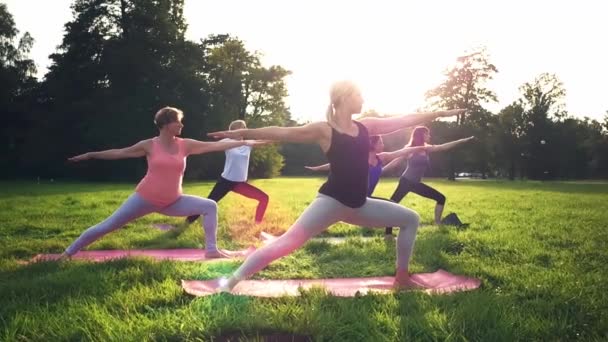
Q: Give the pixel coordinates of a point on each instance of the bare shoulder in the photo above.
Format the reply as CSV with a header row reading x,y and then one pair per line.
x,y
322,127
189,144
145,144
370,123
323,131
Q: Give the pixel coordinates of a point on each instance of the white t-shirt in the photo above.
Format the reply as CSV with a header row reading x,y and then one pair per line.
x,y
237,163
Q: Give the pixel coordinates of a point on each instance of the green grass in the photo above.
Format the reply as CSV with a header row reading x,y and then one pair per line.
x,y
541,251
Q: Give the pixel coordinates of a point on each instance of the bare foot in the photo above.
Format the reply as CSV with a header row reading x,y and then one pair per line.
x,y
403,281
64,257
226,284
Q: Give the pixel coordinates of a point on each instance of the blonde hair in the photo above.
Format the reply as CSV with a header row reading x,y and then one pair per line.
x,y
337,93
237,124
166,116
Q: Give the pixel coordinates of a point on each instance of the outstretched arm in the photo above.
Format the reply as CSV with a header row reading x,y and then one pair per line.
x,y
388,167
448,145
200,147
259,143
324,167
387,157
378,126
135,151
309,133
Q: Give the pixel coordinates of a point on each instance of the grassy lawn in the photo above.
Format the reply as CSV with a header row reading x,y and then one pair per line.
x,y
541,250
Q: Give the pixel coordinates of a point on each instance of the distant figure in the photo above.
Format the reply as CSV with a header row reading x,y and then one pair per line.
x,y
234,177
417,163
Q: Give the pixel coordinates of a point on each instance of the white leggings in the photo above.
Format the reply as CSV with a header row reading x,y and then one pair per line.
x,y
325,211
135,206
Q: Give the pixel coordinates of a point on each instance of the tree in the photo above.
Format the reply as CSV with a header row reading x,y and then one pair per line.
x,y
121,60
83,104
243,89
18,82
509,130
581,149
464,87
542,100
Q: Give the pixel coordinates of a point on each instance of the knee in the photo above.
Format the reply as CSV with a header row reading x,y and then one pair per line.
x,y
441,199
264,198
411,220
210,208
415,220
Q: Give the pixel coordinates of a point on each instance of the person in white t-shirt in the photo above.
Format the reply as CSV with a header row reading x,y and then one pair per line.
x,y
234,178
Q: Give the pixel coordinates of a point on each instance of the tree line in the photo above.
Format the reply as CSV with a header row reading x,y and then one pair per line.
x,y
121,60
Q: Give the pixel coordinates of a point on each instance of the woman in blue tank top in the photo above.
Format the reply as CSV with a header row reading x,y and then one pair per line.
x,y
417,164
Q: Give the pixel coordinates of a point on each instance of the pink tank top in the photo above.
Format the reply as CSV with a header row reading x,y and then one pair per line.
x,y
162,184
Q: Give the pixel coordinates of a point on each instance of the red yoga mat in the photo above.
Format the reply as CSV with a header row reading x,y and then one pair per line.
x,y
267,237
158,254
438,282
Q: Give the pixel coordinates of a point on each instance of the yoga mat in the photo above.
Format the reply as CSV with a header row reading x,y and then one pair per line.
x,y
267,237
192,254
434,283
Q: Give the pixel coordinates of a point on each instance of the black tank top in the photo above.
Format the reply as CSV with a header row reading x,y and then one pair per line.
x,y
347,155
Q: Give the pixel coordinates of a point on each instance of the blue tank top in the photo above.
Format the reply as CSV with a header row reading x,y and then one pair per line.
x,y
374,176
416,167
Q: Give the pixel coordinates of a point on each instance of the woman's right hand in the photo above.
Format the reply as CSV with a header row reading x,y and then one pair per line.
x,y
80,157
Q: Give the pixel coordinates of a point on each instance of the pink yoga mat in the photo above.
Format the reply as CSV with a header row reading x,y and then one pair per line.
x,y
437,282
158,254
267,237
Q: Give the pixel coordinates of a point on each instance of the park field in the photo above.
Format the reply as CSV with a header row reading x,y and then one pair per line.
x,y
540,249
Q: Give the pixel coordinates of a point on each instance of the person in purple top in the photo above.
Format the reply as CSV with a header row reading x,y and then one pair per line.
x,y
417,164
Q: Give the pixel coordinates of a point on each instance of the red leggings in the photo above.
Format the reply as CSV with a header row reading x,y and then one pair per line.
x,y
223,186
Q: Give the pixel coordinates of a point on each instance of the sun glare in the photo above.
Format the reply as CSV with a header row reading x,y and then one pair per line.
x,y
398,50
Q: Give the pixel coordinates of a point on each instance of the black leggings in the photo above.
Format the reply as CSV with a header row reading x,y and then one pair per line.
x,y
419,188
224,186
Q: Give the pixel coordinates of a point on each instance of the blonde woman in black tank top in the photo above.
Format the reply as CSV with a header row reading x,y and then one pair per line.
x,y
343,197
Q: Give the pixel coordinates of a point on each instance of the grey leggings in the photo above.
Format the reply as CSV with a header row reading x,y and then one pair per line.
x,y
325,211
135,206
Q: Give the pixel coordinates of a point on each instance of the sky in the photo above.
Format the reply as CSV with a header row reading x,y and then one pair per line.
x,y
395,50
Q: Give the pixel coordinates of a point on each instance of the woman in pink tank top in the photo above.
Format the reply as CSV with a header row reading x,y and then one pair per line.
x,y
160,191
